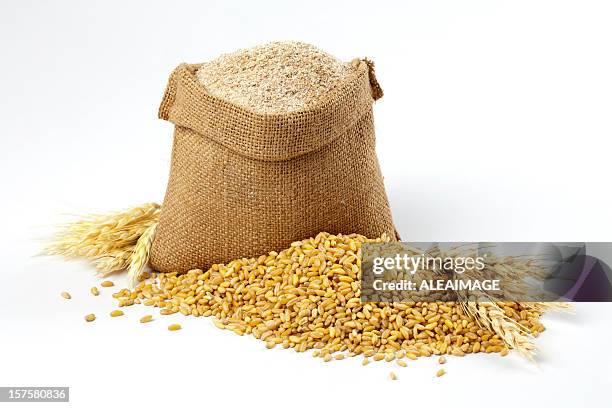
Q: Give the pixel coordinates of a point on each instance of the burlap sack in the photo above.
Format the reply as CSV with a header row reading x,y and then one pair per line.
x,y
243,184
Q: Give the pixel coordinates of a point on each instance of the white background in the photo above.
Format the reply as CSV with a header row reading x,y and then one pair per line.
x,y
495,125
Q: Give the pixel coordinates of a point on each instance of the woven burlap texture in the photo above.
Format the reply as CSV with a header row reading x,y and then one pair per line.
x,y
243,184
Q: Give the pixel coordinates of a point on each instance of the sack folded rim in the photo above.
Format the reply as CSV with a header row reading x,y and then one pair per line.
x,y
265,136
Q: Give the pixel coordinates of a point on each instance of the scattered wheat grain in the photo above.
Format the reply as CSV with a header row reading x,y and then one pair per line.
x,y
146,319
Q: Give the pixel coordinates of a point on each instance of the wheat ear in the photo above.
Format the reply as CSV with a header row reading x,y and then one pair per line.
x,y
108,240
140,256
491,316
114,261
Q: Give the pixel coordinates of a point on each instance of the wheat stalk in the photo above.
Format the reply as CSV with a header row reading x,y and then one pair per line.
x,y
140,256
108,240
546,306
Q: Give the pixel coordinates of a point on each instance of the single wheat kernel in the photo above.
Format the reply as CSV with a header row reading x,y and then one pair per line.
x,y
365,362
90,317
66,295
401,363
270,344
339,356
327,358
378,356
116,313
440,372
389,357
504,352
393,376
94,291
174,327
146,319
107,284
442,360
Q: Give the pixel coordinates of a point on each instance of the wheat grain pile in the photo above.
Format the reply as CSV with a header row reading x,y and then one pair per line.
x,y
275,78
308,297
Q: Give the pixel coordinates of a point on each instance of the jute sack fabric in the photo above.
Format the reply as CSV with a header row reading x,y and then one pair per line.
x,y
242,184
